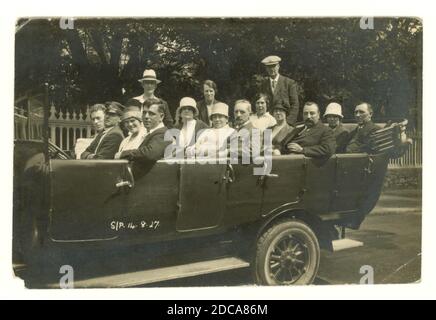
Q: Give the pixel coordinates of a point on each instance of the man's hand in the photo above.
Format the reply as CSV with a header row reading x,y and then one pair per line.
x,y
117,155
294,147
90,156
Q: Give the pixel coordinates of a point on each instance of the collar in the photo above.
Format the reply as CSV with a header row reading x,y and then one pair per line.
x,y
160,125
243,125
275,79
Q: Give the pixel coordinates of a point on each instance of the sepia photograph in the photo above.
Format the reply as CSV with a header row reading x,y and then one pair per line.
x,y
217,152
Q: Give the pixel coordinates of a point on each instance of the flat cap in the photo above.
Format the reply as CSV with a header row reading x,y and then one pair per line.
x,y
271,60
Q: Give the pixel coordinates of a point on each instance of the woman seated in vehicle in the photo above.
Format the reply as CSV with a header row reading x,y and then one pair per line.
x,y
282,128
213,142
188,123
262,118
132,120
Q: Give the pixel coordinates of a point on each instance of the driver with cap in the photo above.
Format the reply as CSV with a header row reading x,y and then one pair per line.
x,y
107,142
149,83
280,88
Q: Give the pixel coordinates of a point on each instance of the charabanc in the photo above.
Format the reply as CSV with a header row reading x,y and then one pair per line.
x,y
275,223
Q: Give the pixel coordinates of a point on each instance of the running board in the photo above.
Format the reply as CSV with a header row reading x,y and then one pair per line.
x,y
343,244
161,274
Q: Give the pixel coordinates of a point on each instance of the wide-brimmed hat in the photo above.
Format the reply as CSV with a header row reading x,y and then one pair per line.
x,y
149,75
188,102
132,114
271,60
334,109
220,108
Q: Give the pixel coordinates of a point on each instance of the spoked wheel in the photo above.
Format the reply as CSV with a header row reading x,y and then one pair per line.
x,y
287,254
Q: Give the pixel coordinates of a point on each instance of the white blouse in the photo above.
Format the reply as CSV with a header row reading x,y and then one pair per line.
x,y
264,121
212,143
133,142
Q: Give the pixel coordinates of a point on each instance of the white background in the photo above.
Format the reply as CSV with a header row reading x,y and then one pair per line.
x,y
13,288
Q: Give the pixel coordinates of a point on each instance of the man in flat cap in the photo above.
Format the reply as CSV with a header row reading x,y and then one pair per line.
x,y
107,142
280,88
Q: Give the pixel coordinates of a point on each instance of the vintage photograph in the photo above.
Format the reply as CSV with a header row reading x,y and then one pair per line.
x,y
204,152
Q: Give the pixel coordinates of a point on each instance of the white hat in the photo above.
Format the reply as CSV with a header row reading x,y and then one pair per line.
x,y
334,109
188,102
149,75
220,108
271,60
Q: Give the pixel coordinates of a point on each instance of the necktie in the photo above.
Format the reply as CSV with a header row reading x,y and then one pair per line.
x,y
273,85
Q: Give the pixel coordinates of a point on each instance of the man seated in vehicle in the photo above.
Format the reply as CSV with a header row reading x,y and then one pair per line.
x,y
249,137
313,138
107,142
360,137
153,146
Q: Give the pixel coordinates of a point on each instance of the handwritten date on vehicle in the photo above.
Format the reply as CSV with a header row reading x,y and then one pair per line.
x,y
118,225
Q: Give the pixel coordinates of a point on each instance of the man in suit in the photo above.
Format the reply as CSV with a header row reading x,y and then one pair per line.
x,y
154,145
333,115
313,138
282,88
360,137
107,142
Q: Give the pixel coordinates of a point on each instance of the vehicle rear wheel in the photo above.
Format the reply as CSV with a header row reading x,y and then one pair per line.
x,y
287,254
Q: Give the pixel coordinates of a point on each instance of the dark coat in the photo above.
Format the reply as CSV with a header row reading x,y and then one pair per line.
x,y
359,138
277,140
167,120
318,141
342,137
199,125
151,149
202,109
285,91
108,146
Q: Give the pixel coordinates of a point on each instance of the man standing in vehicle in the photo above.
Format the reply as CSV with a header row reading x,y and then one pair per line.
x,y
313,138
360,137
107,142
280,88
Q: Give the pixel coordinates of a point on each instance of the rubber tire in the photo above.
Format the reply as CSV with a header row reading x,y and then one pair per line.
x,y
298,228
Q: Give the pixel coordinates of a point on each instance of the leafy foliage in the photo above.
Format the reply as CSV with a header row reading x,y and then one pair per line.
x,y
332,59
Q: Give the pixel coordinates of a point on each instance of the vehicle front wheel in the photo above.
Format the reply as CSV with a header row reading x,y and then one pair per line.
x,y
287,254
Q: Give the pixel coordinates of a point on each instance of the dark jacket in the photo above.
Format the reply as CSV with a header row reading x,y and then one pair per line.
x,y
277,140
317,141
151,149
202,109
110,142
342,136
359,138
285,91
167,120
199,125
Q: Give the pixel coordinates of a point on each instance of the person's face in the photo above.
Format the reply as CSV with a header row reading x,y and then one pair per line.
x,y
332,120
272,70
310,115
149,86
260,106
209,93
219,121
362,114
133,125
97,119
151,117
279,115
111,119
241,113
187,113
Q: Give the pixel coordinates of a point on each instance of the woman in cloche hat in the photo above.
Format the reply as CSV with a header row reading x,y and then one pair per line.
x,y
333,115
